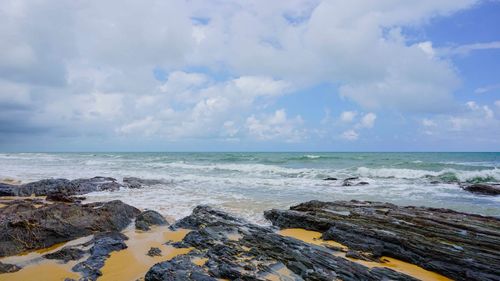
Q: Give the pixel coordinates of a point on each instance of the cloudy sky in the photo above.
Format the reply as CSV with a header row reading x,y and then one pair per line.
x,y
197,75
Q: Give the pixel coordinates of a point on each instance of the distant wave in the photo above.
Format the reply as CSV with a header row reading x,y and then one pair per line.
x,y
446,174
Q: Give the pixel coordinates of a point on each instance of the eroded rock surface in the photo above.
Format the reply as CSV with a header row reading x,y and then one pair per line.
x,y
62,186
26,226
66,254
237,250
148,218
458,245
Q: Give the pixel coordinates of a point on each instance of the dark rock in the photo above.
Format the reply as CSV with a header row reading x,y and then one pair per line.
x,y
148,218
458,245
351,178
178,269
330,179
154,252
66,254
8,268
59,197
481,188
362,183
435,182
238,250
63,186
25,227
133,182
104,244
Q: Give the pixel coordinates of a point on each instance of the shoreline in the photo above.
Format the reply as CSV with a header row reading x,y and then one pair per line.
x,y
186,243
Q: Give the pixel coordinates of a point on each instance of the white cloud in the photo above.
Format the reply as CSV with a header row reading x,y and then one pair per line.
x,y
467,48
368,121
348,116
350,135
276,127
92,67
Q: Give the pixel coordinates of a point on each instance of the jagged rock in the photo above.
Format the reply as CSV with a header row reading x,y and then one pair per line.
x,y
26,227
66,254
458,245
238,250
63,186
154,252
133,182
104,244
59,197
481,188
178,269
146,219
8,268
330,179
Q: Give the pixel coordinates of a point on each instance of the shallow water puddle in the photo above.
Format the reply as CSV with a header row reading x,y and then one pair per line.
x,y
314,237
199,261
133,263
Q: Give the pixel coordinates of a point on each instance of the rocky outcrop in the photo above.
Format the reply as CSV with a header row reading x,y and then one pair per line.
x,y
61,186
133,182
154,252
482,188
103,245
238,250
26,226
66,254
458,245
178,269
148,218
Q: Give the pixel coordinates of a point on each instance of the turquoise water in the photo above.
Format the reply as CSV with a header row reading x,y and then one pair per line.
x,y
248,183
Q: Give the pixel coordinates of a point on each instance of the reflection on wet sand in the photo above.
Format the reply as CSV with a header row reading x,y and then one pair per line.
x,y
314,237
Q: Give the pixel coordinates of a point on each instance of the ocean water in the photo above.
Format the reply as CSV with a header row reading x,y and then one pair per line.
x,y
249,183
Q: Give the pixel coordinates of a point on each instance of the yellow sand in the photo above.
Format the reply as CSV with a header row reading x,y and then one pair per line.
x,y
314,237
199,261
133,263
46,271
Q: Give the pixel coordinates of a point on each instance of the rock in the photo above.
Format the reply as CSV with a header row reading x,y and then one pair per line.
x,y
178,269
362,183
458,245
59,197
154,252
66,254
330,179
104,244
26,227
435,182
481,188
8,268
133,182
238,250
63,186
146,219
351,178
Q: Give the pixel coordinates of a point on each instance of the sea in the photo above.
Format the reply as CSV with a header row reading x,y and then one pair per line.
x,y
246,184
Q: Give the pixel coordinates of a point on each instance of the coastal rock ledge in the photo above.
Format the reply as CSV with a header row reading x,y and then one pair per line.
x,y
457,245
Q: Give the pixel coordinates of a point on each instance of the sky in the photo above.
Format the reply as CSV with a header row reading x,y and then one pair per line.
x,y
296,75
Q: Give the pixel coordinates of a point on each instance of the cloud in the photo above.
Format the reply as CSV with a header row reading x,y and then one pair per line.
x,y
467,48
486,89
91,70
367,121
276,127
348,116
350,135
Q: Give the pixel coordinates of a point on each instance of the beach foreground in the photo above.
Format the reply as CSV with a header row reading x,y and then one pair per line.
x,y
50,234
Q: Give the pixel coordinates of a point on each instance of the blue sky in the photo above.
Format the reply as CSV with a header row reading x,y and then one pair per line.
x,y
250,75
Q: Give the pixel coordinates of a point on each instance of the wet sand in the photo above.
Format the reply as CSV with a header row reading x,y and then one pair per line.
x,y
314,237
128,264
133,263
